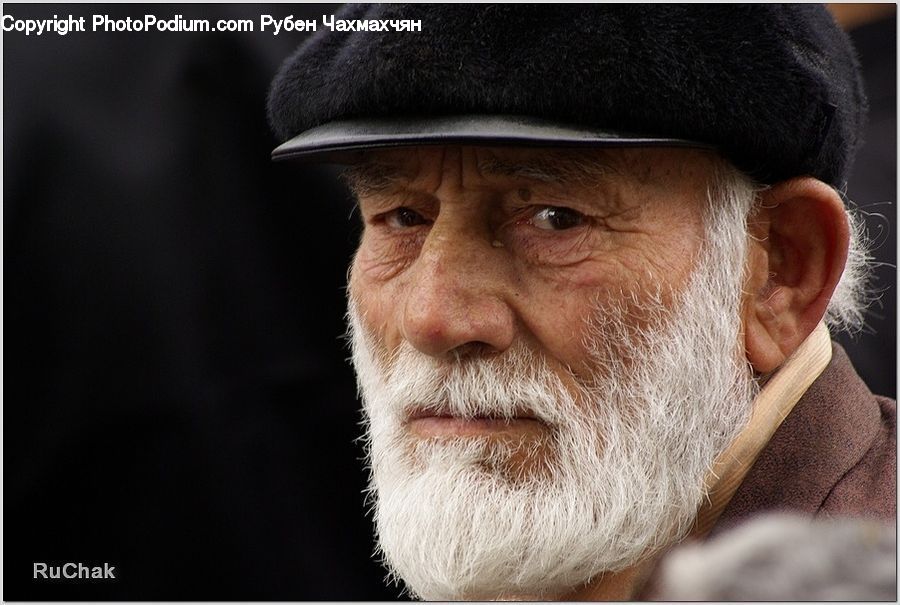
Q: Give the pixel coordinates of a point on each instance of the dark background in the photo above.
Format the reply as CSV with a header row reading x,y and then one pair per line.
x,y
873,190
177,400
177,397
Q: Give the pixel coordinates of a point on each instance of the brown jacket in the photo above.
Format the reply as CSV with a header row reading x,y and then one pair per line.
x,y
835,454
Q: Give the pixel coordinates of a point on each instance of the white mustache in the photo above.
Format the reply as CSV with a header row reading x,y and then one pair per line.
x,y
518,384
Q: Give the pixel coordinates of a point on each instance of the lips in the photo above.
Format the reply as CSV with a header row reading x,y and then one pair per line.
x,y
428,422
418,412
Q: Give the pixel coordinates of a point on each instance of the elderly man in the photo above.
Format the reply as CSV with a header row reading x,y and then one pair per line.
x,y
588,310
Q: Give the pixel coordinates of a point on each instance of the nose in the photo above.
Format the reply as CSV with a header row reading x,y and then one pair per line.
x,y
456,301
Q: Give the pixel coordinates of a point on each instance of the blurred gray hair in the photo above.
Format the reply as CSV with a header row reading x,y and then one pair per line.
x,y
787,558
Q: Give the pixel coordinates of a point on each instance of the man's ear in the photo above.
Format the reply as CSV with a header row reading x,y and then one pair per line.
x,y
798,248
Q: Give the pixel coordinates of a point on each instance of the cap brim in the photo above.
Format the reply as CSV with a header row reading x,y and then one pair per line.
x,y
343,142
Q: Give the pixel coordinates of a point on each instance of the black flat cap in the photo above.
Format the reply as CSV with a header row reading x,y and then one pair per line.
x,y
773,87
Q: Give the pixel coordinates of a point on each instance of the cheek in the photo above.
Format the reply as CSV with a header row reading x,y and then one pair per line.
x,y
370,291
379,285
375,275
380,258
633,275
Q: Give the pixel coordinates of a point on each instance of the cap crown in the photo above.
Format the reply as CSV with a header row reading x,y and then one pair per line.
x,y
774,87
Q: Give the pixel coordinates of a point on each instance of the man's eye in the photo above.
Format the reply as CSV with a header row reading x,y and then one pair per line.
x,y
557,218
404,218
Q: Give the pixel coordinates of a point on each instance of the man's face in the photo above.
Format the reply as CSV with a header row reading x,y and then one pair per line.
x,y
468,250
518,315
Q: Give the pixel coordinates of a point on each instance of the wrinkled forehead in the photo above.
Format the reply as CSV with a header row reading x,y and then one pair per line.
x,y
650,166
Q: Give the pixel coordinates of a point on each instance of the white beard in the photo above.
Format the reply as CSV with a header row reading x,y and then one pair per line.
x,y
627,450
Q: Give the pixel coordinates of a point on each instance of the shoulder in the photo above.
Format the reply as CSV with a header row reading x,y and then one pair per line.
x,y
869,487
834,454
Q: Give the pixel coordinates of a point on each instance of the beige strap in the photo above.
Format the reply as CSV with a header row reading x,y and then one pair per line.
x,y
775,401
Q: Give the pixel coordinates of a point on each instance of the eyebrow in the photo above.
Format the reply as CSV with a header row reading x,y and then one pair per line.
x,y
372,177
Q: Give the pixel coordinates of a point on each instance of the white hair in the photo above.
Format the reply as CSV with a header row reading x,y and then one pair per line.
x,y
853,294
